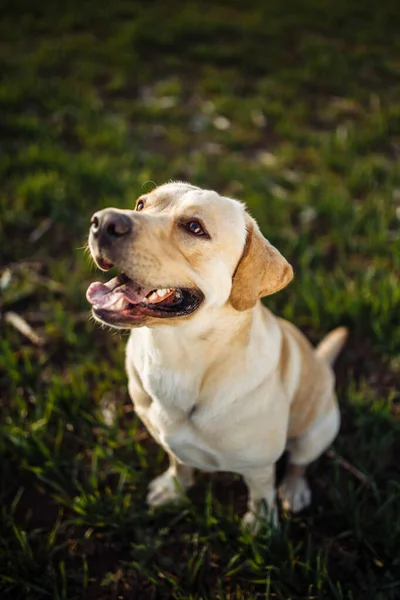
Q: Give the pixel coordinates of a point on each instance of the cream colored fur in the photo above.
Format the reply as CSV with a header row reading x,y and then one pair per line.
x,y
230,387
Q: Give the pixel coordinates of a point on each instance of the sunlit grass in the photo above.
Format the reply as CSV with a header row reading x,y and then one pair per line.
x,y
292,108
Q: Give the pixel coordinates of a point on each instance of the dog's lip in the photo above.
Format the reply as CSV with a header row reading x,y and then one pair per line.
x,y
122,314
121,292
122,302
103,263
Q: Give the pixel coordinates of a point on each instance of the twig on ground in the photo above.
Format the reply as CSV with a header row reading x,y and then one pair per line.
x,y
24,328
349,467
5,279
40,230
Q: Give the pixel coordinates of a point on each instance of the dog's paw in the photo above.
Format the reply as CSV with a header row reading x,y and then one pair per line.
x,y
164,489
253,521
295,494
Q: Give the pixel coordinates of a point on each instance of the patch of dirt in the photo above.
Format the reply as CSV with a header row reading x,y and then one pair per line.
x,y
34,506
122,582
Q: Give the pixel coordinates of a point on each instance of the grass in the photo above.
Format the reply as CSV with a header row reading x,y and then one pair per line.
x,y
291,107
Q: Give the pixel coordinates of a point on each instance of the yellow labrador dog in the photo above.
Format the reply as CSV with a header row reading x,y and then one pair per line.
x,y
220,382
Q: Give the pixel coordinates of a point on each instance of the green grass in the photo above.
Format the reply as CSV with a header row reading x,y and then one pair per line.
x,y
291,107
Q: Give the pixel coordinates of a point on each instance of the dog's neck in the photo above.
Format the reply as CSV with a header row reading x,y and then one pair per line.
x,y
180,363
201,342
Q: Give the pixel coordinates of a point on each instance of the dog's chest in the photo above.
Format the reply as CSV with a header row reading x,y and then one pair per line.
x,y
208,432
214,423
170,413
172,389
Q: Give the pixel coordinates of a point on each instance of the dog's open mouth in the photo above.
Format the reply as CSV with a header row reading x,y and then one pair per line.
x,y
122,301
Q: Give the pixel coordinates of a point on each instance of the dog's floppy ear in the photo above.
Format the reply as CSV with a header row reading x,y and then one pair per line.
x,y
262,270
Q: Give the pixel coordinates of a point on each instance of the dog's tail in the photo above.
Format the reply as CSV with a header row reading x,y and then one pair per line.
x,y
329,348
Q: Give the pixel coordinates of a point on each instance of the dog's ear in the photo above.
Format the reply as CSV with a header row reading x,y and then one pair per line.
x,y
262,270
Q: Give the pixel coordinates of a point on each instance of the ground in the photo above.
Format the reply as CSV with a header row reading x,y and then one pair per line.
x,y
291,107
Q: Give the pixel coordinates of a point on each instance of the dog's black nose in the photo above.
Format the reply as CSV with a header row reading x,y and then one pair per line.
x,y
110,223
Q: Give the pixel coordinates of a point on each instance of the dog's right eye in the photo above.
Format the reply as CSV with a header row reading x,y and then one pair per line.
x,y
140,205
195,228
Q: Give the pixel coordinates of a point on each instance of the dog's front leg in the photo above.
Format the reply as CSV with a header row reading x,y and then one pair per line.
x,y
171,485
262,498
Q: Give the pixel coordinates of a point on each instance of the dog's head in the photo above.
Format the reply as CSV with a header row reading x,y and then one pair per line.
x,y
181,250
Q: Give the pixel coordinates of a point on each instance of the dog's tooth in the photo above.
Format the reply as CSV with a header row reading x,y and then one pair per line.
x,y
157,294
163,291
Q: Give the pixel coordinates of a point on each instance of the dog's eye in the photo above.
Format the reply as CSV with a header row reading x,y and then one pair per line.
x,y
140,205
195,228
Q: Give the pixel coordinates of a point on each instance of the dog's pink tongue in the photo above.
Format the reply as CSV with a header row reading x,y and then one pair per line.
x,y
133,292
104,296
100,295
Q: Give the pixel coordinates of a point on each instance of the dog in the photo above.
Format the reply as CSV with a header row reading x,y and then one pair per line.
x,y
219,381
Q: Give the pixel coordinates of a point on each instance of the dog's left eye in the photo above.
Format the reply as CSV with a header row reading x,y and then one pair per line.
x,y
195,228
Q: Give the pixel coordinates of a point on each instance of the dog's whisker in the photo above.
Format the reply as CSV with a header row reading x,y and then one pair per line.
x,y
149,181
